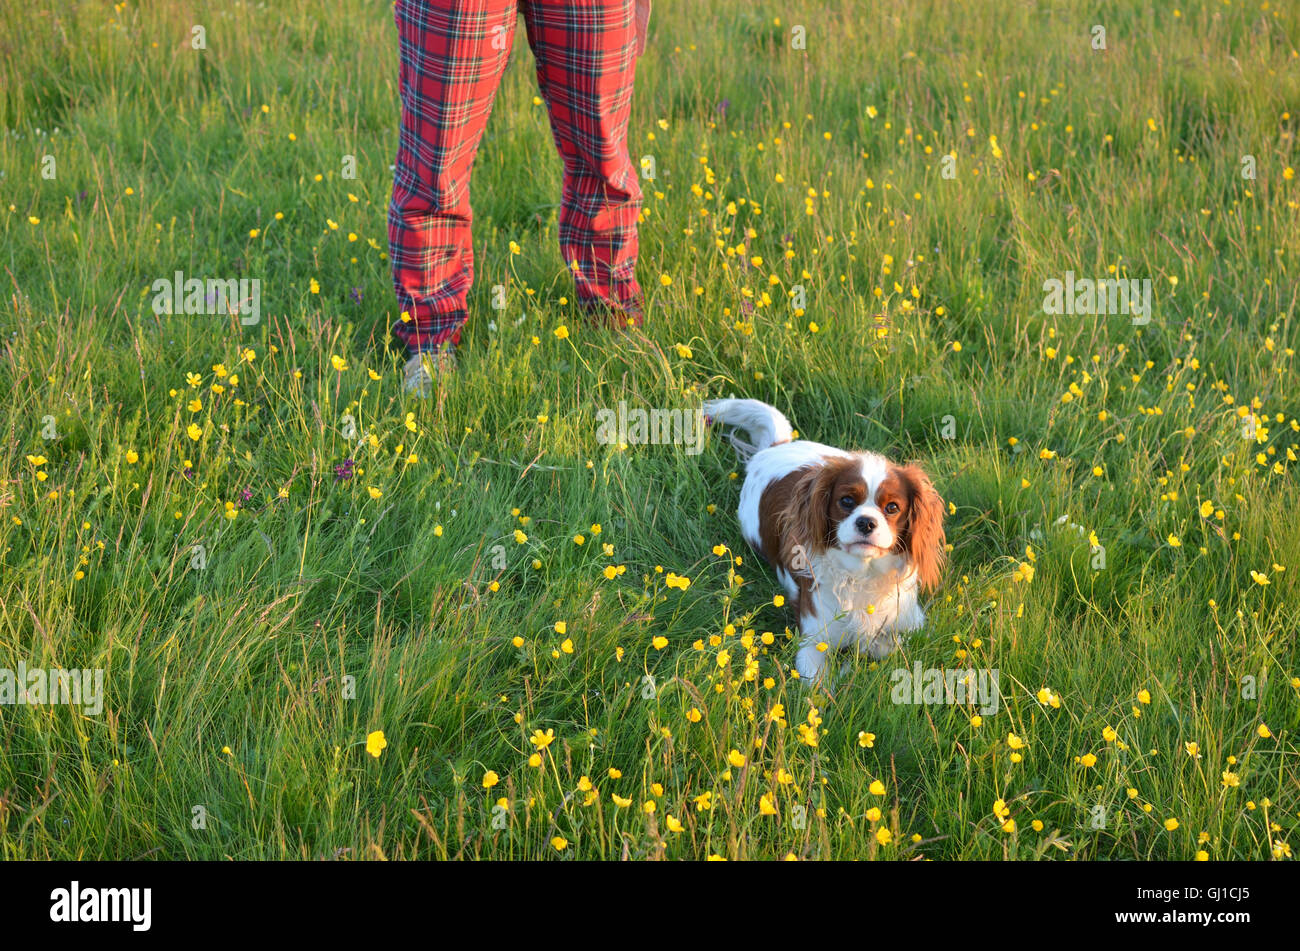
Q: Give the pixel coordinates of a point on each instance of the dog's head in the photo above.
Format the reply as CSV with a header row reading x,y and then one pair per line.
x,y
868,507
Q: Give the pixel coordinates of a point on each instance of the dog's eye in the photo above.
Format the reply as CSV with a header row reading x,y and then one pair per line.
x,y
891,508
848,502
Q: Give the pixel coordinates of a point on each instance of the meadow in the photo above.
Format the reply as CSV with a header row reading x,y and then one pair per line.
x,y
491,634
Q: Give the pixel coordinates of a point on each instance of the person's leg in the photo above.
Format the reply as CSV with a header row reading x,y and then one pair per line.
x,y
586,60
453,53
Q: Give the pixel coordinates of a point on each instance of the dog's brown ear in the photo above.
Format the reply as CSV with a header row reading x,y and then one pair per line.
x,y
925,537
806,519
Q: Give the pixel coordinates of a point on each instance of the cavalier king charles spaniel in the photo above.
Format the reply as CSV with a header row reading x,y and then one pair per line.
x,y
852,536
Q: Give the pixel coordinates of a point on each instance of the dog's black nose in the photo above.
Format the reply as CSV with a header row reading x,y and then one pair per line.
x,y
865,525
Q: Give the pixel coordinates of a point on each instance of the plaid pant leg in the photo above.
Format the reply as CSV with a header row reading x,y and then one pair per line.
x,y
586,61
453,54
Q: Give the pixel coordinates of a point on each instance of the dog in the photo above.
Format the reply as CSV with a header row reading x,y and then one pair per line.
x,y
852,536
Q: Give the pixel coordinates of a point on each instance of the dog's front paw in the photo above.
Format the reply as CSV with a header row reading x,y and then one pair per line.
x,y
883,644
811,664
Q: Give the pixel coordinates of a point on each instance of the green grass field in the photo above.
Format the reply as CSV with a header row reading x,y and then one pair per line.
x,y
171,511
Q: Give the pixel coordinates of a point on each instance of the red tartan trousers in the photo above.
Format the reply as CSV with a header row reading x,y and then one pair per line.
x,y
453,54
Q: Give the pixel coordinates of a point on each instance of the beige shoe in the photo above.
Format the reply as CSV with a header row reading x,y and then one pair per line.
x,y
423,367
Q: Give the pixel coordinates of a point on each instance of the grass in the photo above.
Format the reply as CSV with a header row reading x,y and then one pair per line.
x,y
257,617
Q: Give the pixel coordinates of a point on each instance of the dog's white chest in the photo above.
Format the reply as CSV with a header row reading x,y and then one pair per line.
x,y
861,604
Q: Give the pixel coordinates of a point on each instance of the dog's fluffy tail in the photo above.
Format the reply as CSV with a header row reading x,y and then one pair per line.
x,y
764,424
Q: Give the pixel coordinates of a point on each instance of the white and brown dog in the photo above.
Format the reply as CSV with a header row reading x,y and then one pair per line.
x,y
852,536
